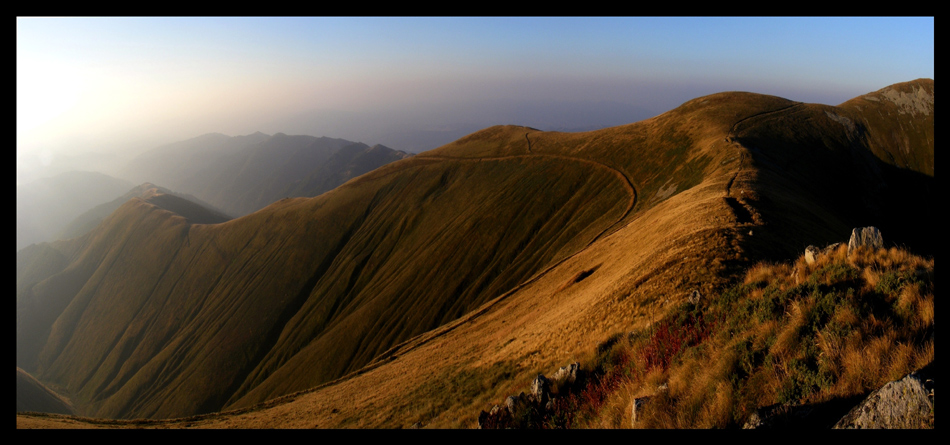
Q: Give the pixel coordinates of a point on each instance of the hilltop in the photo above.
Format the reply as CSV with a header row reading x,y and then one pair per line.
x,y
458,274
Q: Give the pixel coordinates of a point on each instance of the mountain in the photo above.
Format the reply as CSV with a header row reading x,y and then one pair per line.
x,y
243,174
45,206
434,285
175,163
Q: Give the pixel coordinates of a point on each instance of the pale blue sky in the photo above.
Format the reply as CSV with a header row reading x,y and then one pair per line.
x,y
117,83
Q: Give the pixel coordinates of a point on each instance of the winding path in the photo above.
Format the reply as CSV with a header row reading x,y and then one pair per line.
x,y
733,137
440,331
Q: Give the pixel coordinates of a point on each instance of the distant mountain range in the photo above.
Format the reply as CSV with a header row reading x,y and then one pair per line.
x,y
229,175
242,174
435,284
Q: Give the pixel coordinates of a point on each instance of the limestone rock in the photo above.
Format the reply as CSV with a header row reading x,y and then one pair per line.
x,y
811,254
564,378
541,390
694,297
755,421
638,404
865,236
517,405
498,417
905,403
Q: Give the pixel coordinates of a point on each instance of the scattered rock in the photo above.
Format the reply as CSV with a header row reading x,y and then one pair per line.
x,y
517,405
694,297
812,253
754,421
524,410
564,378
541,390
866,237
638,403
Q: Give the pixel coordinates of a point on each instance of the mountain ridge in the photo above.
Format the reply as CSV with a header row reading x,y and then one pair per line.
x,y
694,157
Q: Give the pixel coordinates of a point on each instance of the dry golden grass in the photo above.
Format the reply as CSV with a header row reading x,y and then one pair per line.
x,y
843,332
759,341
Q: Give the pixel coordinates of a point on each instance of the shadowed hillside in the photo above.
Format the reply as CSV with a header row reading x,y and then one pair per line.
x,y
31,395
473,266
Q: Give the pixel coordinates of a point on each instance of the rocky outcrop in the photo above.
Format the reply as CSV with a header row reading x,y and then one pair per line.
x,y
524,410
636,411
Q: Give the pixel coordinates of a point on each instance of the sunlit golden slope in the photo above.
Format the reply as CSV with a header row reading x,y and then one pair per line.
x,y
455,275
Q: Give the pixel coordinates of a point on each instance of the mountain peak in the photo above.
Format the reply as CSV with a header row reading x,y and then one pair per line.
x,y
915,97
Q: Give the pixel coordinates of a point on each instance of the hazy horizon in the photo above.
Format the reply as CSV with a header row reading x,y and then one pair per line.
x,y
121,86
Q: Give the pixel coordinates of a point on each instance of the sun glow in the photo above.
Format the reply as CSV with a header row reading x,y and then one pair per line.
x,y
44,91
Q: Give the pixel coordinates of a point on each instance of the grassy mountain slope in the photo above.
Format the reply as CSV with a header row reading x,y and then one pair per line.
x,y
202,307
456,275
203,213
348,162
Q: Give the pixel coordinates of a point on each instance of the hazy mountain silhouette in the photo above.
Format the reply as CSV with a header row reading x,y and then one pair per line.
x,y
458,259
243,174
45,206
